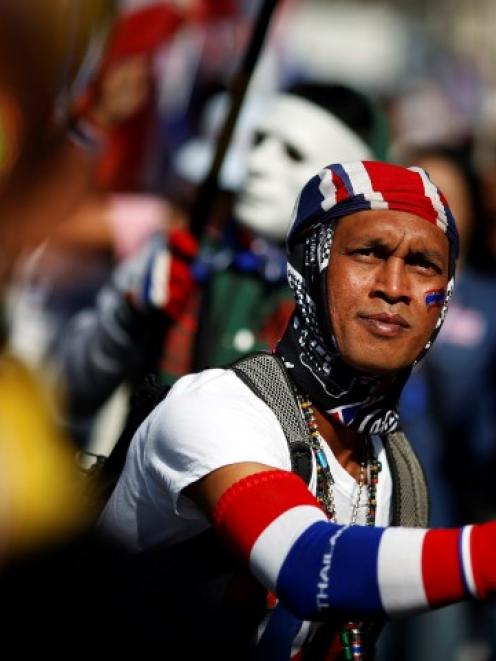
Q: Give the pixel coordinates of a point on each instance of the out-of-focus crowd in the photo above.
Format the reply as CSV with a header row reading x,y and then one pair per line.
x,y
125,254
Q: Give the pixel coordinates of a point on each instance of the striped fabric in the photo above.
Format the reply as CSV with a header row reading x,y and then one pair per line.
x,y
161,278
344,188
314,566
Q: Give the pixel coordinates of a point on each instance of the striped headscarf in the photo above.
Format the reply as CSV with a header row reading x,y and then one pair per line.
x,y
367,403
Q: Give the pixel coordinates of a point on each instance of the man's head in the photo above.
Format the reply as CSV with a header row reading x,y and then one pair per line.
x,y
297,134
372,252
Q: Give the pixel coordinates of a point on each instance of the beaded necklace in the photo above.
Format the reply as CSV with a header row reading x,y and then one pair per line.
x,y
353,633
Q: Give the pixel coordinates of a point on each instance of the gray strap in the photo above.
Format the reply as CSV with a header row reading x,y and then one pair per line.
x,y
265,374
410,493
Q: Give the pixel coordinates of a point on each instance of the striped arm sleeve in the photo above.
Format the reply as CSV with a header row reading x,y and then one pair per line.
x,y
314,566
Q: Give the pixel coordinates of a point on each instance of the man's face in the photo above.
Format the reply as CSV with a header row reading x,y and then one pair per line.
x,y
387,274
292,142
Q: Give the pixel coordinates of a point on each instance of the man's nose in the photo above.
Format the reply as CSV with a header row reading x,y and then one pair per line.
x,y
392,282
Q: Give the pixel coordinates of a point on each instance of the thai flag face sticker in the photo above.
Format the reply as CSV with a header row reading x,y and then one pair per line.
x,y
434,298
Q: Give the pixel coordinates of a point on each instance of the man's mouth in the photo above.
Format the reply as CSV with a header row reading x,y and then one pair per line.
x,y
385,325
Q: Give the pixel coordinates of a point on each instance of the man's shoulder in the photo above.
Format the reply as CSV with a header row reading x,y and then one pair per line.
x,y
210,419
212,382
212,394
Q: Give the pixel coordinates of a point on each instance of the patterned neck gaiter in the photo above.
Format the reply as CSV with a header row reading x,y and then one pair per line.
x,y
367,403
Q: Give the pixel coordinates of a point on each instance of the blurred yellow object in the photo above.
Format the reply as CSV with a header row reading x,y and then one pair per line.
x,y
41,489
45,46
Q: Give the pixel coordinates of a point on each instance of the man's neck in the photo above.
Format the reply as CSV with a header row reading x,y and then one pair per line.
x,y
346,444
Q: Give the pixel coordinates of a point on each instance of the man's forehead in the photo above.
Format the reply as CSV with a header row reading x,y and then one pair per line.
x,y
390,224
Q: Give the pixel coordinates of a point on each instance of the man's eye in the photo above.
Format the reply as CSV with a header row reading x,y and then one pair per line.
x,y
293,153
428,267
367,253
423,264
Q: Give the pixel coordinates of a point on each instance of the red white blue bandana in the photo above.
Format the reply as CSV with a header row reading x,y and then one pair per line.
x,y
364,402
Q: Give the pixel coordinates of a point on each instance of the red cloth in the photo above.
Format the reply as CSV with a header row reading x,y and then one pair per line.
x,y
483,551
248,506
441,568
183,247
142,31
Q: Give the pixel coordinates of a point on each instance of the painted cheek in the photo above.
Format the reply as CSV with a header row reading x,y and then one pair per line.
x,y
434,298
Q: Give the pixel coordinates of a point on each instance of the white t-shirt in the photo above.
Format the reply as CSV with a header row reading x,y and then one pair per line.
x,y
210,420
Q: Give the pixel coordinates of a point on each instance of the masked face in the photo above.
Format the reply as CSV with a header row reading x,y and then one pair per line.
x,y
294,140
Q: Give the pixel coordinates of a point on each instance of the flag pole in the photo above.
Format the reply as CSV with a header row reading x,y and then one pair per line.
x,y
205,198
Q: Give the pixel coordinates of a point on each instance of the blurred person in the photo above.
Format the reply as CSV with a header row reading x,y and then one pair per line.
x,y
67,269
308,568
240,266
43,177
110,119
485,164
448,405
459,368
61,270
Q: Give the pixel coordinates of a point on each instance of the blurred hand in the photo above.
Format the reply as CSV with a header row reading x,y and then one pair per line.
x,y
159,277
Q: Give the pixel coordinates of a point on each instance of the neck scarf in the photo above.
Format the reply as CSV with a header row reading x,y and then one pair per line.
x,y
365,402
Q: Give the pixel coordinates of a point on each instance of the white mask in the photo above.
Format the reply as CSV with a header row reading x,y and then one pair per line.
x,y
294,140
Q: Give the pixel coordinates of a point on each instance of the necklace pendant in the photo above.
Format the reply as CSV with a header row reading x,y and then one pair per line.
x,y
352,642
321,459
357,649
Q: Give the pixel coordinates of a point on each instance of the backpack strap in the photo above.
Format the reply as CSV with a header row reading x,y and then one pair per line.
x,y
102,477
410,492
266,376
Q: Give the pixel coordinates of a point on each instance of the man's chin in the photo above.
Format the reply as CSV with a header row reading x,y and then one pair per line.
x,y
377,367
